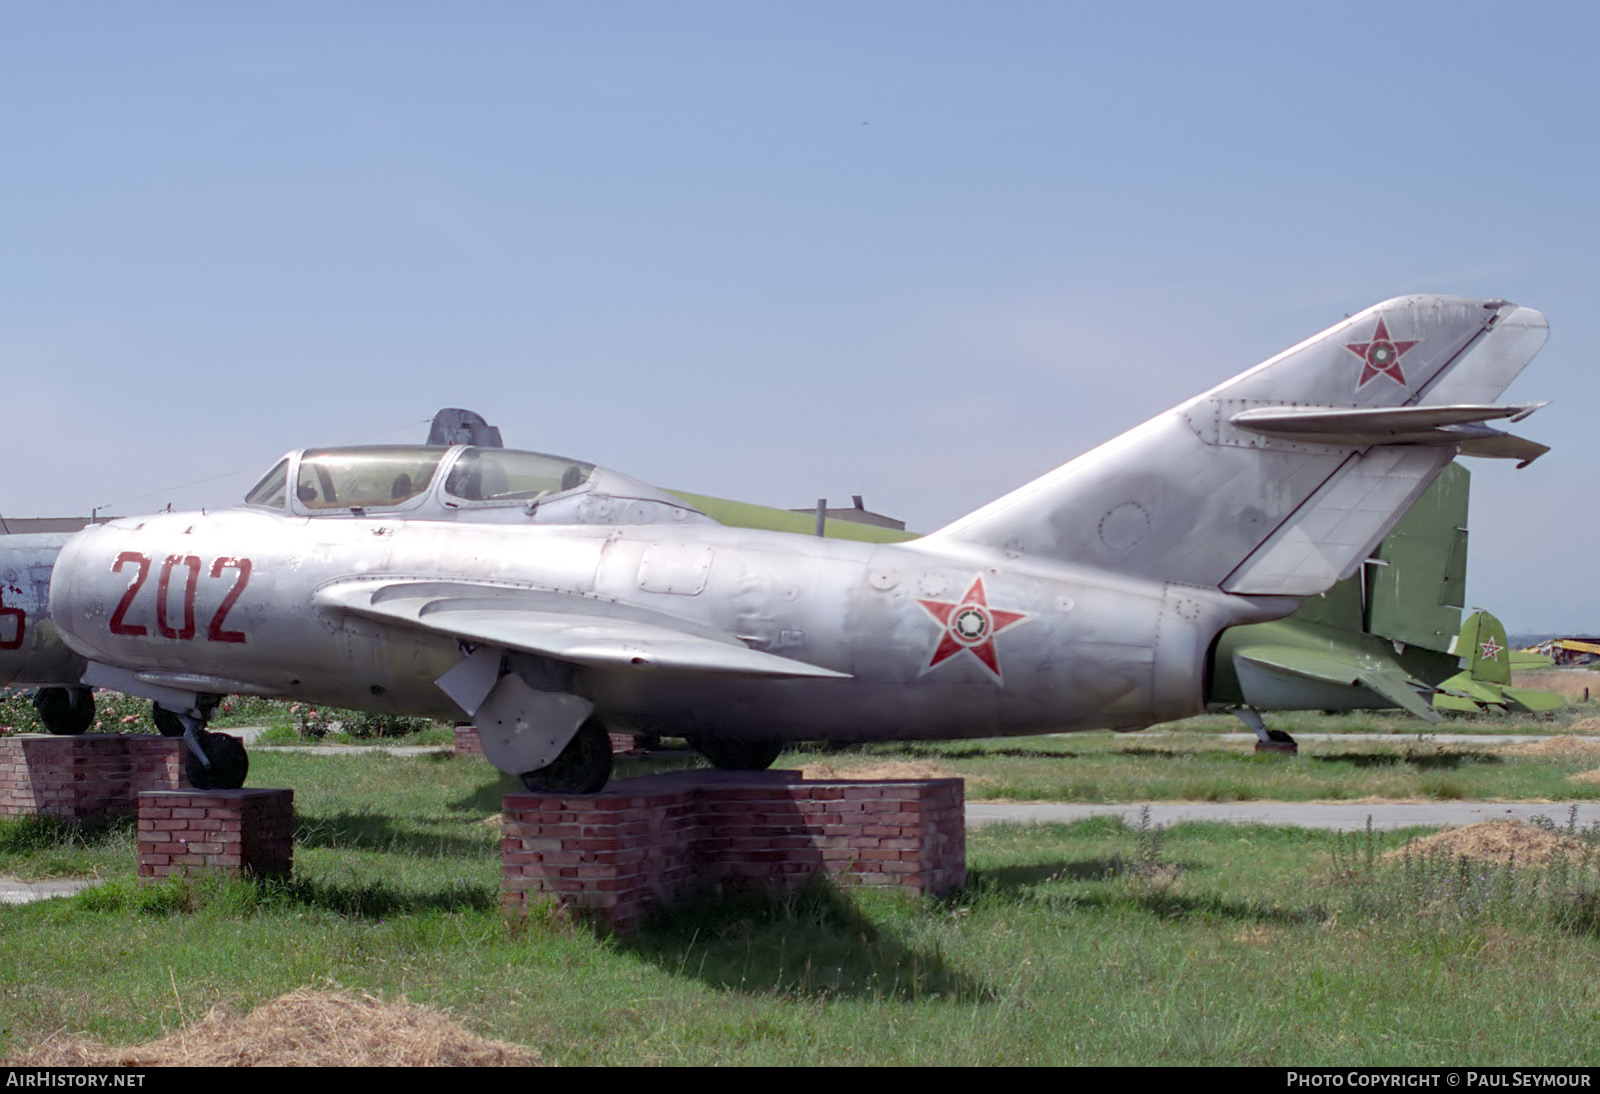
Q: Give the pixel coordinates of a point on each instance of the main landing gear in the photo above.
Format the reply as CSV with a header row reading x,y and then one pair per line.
x,y
1267,740
65,712
735,754
211,761
581,768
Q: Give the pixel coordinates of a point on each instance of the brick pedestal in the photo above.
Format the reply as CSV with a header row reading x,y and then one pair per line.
x,y
235,831
88,777
614,855
466,742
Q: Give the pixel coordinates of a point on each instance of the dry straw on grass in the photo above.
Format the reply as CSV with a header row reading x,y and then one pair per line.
x,y
1570,683
1495,841
305,1028
888,769
1567,745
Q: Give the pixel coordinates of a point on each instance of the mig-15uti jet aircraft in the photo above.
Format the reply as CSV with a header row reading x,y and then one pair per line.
x,y
548,599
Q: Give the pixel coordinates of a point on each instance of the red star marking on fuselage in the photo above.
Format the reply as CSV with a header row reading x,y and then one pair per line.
x,y
1381,356
1491,649
970,625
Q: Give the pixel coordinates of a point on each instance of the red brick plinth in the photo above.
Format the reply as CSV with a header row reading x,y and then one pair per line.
x,y
235,831
639,843
87,777
467,743
623,744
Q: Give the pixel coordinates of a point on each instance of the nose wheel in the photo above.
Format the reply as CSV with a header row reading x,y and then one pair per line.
x,y
226,763
211,761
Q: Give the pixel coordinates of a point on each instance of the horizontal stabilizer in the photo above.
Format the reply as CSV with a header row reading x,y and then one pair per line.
x,y
1260,668
563,626
1360,427
1463,685
1462,692
1535,702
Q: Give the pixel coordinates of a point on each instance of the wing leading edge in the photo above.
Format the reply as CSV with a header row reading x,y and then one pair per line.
x,y
563,626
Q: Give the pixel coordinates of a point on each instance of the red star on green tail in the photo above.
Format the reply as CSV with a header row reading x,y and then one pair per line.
x,y
970,625
1381,356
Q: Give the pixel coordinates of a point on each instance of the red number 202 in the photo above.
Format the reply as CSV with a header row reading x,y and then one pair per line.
x,y
192,568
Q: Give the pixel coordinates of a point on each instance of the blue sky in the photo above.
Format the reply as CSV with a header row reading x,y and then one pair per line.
x,y
917,251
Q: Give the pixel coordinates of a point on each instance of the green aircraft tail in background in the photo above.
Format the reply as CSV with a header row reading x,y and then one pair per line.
x,y
1485,682
1392,635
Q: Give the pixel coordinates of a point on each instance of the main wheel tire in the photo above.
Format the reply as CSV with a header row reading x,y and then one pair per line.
x,y
582,768
230,763
731,754
66,712
166,722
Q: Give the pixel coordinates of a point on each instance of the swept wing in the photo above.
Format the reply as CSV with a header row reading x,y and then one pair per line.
x,y
565,626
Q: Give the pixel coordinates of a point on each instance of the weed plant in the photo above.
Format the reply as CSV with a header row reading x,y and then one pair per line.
x,y
1458,893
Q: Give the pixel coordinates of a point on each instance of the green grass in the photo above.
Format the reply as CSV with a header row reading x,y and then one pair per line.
x,y
1091,943
1098,942
1187,766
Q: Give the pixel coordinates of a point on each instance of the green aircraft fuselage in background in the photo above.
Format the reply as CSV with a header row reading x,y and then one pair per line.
x,y
1377,639
740,514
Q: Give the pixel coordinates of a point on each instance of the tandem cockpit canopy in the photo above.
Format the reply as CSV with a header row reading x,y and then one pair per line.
x,y
461,482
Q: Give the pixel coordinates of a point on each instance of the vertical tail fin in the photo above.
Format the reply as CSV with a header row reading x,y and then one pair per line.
x,y
1281,480
1416,580
1482,649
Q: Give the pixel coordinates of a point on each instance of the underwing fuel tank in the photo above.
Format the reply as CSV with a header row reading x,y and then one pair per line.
x,y
31,649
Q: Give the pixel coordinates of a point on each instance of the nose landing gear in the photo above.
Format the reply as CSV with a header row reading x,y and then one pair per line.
x,y
212,761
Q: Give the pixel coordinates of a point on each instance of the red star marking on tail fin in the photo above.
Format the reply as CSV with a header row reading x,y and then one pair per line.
x,y
970,625
1381,356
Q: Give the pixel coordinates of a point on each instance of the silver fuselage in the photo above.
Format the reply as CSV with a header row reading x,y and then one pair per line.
x,y
225,601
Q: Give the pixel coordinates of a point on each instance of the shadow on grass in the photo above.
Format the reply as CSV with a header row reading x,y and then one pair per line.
x,y
377,832
377,900
815,943
24,835
1144,884
1175,752
215,894
485,797
1444,761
